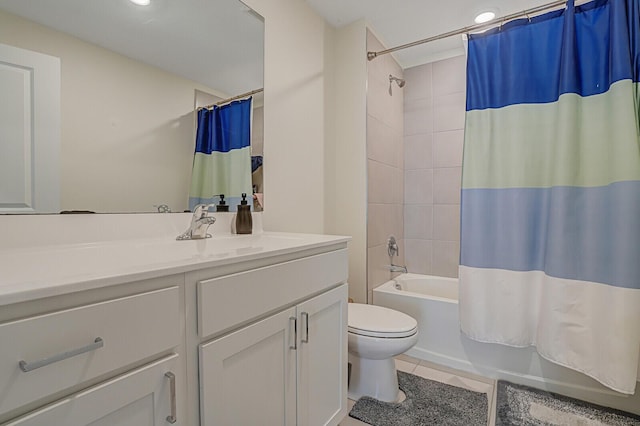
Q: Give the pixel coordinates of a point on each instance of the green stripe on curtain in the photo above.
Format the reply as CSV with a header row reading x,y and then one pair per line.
x,y
221,173
525,150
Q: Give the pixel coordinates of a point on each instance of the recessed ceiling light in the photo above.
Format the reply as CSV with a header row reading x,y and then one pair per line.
x,y
141,2
481,18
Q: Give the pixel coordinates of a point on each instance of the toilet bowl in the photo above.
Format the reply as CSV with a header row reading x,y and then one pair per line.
x,y
375,335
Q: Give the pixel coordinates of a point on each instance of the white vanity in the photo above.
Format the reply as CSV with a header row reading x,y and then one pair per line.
x,y
123,325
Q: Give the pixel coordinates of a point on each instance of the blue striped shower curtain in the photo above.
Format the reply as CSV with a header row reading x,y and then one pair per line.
x,y
550,209
222,160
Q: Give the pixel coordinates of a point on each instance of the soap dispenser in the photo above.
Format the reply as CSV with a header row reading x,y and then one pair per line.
x,y
222,206
244,223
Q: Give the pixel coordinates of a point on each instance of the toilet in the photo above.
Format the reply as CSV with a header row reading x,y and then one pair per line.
x,y
375,335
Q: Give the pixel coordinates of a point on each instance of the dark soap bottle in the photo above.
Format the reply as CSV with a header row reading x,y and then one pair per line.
x,y
244,223
222,206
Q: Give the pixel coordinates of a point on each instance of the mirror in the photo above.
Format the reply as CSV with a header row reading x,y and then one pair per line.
x,y
131,80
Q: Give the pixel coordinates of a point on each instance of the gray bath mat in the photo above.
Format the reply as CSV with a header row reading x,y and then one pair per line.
x,y
428,403
522,405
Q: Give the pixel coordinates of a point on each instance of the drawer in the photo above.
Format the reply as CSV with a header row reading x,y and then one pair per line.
x,y
139,397
131,329
234,299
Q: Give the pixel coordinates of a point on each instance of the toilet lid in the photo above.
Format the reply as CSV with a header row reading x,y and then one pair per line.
x,y
378,321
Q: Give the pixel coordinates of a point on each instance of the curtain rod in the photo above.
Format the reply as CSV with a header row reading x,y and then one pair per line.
x,y
525,13
244,95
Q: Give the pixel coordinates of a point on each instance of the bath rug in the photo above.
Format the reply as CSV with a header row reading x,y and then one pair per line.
x,y
523,405
428,403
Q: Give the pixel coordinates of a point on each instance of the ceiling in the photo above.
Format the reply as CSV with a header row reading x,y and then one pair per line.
x,y
404,21
167,33
185,37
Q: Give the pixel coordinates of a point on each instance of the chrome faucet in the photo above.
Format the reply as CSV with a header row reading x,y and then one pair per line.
x,y
200,222
393,250
398,268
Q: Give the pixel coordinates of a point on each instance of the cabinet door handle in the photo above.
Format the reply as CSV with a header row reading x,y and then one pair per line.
x,y
305,316
172,389
294,334
30,366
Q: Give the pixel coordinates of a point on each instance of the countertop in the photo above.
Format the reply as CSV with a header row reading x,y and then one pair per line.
x,y
33,272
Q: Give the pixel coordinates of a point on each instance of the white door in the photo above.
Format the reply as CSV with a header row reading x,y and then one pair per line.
x,y
322,358
248,377
141,397
29,131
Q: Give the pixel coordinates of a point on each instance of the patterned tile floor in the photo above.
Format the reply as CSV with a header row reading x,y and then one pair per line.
x,y
444,375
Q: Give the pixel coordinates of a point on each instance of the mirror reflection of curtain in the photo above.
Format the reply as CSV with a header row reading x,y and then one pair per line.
x,y
222,159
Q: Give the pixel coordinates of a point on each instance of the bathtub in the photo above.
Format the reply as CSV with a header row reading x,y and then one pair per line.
x,y
433,302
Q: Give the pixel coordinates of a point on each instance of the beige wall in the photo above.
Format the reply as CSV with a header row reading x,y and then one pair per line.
x,y
434,110
346,191
127,132
294,122
384,165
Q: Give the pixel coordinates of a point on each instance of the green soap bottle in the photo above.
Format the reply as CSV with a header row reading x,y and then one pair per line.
x,y
244,223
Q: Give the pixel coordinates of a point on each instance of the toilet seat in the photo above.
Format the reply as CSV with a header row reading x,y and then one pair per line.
x,y
378,321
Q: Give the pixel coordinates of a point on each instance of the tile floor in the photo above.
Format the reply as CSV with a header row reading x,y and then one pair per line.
x,y
441,374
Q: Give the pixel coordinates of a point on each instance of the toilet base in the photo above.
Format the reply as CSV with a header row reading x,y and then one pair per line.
x,y
376,378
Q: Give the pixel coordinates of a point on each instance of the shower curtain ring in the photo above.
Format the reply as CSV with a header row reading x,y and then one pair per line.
x,y
524,12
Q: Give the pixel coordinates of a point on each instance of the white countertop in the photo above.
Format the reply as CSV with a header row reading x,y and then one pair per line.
x,y
37,271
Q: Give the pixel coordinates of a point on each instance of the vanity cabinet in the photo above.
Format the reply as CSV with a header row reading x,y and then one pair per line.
x,y
110,362
242,331
286,369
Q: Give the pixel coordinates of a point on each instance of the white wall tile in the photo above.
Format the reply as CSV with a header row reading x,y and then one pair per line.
x,y
418,221
378,216
447,148
446,222
418,151
418,117
418,83
384,220
437,92
378,271
418,256
446,255
446,185
398,186
448,112
378,99
418,187
449,76
382,184
384,144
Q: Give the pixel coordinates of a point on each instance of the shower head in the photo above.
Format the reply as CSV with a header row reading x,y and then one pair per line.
x,y
399,81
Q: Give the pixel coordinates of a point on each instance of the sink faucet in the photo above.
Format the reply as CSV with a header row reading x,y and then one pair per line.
x,y
200,222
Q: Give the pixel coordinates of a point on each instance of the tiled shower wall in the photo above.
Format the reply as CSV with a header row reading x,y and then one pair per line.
x,y
384,165
434,111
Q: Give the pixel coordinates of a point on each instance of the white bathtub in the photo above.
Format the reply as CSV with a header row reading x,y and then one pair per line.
x,y
433,302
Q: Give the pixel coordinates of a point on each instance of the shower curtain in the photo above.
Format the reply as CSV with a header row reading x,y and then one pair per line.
x,y
550,207
222,160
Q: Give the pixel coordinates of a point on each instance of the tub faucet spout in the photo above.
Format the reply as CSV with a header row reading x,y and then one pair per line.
x,y
398,268
200,222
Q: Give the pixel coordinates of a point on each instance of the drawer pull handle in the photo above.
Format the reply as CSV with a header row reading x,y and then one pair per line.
x,y
305,315
294,334
172,389
30,366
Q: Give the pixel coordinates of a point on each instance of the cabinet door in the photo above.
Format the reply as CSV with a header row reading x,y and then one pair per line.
x,y
248,377
140,397
322,358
